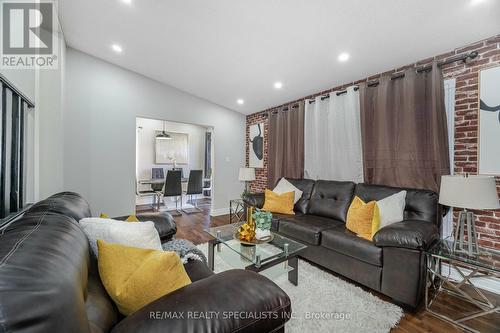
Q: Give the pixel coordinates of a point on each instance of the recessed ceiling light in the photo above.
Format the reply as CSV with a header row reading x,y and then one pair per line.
x,y
128,2
117,48
476,2
344,56
278,85
240,101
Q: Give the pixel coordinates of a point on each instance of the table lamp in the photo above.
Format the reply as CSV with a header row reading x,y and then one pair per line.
x,y
468,192
247,175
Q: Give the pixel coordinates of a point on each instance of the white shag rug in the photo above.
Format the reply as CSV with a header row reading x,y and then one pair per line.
x,y
324,303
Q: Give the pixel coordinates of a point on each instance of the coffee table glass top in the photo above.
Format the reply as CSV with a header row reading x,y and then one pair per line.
x,y
257,254
489,258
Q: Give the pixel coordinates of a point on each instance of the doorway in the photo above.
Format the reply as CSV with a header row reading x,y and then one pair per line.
x,y
163,146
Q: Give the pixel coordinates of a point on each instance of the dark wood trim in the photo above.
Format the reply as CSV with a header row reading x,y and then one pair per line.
x,y
14,156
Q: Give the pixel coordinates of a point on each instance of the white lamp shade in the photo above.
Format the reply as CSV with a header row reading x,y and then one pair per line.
x,y
473,192
247,174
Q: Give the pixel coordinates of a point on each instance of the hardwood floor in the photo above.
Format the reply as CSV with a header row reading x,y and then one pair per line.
x,y
191,227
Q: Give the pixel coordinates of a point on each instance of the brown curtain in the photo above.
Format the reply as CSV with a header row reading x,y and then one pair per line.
x,y
404,130
286,143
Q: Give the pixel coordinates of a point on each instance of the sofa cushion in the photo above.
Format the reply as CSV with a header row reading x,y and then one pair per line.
x,y
331,199
307,228
306,186
348,243
420,204
276,220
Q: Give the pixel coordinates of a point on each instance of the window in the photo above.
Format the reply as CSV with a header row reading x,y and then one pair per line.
x,y
14,106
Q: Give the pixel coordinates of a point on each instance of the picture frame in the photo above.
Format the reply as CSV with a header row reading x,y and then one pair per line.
x,y
489,121
256,146
176,148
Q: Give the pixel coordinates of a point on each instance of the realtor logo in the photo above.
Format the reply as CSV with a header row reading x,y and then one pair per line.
x,y
28,35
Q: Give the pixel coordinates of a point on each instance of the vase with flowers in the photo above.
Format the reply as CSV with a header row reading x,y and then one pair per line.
x,y
262,223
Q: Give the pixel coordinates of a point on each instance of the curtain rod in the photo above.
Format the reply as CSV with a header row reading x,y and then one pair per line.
x,y
461,57
18,92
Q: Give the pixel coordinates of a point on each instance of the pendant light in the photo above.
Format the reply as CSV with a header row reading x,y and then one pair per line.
x,y
163,135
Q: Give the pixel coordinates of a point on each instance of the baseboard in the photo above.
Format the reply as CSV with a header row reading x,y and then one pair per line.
x,y
219,211
490,284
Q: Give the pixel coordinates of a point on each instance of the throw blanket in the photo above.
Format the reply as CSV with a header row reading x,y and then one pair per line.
x,y
185,249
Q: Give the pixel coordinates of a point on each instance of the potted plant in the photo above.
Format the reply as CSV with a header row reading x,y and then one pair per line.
x,y
263,223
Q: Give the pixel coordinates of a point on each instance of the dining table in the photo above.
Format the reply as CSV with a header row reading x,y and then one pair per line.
x,y
157,183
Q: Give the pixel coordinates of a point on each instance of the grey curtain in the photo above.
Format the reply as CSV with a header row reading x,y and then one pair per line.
x,y
286,143
404,130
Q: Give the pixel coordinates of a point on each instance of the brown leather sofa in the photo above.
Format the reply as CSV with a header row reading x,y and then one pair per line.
x,y
49,282
393,263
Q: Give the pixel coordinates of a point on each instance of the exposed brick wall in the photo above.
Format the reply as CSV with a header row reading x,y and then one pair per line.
x,y
466,122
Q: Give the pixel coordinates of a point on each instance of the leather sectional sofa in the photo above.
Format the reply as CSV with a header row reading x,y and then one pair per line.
x,y
49,282
393,263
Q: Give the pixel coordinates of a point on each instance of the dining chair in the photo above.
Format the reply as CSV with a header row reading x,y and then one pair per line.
x,y
173,188
157,173
194,187
181,170
148,193
207,183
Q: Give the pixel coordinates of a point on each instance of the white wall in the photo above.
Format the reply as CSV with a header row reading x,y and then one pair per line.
x,y
44,124
101,105
146,133
50,115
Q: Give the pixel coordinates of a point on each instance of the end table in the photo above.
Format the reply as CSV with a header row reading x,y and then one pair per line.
x,y
442,260
237,211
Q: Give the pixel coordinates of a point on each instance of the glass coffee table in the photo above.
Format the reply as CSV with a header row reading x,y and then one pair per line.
x,y
260,258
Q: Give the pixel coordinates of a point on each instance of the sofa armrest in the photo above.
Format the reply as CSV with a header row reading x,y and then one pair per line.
x,y
163,221
254,199
410,234
231,301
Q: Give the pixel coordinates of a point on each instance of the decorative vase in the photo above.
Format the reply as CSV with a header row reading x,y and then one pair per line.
x,y
263,221
262,233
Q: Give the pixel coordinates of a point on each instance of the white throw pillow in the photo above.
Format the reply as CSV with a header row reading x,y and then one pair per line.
x,y
392,208
285,186
134,234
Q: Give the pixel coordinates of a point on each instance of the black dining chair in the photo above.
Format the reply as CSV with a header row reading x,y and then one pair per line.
x,y
194,187
181,170
173,188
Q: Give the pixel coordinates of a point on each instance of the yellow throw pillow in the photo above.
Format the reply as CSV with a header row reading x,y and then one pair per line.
x,y
363,218
132,218
134,277
279,203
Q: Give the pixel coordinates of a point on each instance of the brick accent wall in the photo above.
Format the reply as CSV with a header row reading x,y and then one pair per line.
x,y
466,122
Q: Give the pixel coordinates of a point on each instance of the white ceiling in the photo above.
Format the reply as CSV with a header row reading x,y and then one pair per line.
x,y
223,50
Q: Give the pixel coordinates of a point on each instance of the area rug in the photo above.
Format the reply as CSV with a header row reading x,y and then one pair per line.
x,y
324,303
